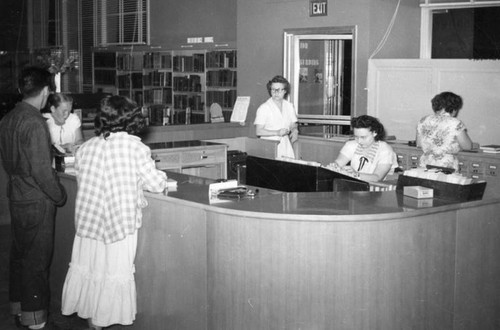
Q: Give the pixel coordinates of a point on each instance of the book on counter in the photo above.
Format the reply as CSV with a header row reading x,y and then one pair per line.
x,y
171,184
491,148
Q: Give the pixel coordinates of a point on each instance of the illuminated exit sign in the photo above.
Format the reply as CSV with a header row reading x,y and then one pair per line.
x,y
318,8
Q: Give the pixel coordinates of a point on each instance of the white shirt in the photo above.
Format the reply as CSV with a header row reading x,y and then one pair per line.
x,y
65,133
271,118
366,161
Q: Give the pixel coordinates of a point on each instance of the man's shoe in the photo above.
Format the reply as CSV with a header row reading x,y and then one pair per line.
x,y
17,320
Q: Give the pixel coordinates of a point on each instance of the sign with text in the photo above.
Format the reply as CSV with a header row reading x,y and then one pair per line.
x,y
318,8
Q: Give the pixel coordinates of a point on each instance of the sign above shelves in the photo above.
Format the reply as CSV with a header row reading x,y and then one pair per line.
x,y
199,40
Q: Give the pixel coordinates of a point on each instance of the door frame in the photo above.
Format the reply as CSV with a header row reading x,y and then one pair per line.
x,y
291,66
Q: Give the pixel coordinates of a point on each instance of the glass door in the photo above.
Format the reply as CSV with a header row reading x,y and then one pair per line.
x,y
319,64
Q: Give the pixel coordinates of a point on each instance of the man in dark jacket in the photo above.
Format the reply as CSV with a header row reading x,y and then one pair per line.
x,y
34,192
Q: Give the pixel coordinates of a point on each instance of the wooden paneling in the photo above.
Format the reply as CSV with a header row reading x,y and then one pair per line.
x,y
319,150
477,302
368,275
252,146
171,272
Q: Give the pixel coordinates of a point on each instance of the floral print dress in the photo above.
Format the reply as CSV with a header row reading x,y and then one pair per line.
x,y
438,138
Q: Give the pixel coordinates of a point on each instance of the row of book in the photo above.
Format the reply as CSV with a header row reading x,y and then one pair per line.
x,y
158,115
191,83
130,80
129,62
194,63
222,59
104,77
162,115
158,78
195,102
157,61
225,99
104,60
222,78
158,96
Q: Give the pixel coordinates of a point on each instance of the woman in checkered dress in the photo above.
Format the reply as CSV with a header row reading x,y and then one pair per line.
x,y
112,170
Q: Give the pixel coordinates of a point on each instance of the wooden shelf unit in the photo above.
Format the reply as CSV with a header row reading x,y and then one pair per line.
x,y
174,86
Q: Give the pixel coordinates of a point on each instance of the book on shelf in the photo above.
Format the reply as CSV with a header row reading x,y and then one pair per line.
x,y
491,148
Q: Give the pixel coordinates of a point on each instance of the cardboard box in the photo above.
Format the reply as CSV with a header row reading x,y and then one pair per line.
x,y
415,203
418,192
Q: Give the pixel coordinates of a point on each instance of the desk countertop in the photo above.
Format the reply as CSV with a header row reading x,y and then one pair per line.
x,y
364,205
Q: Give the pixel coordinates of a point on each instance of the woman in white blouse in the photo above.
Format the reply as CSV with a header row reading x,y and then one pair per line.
x,y
65,127
276,118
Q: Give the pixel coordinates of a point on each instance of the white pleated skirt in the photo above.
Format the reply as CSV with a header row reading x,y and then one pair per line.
x,y
100,282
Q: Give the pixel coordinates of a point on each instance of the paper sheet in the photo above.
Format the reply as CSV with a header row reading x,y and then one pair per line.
x,y
239,114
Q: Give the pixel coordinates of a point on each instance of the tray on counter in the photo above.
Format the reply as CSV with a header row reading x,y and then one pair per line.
x,y
445,190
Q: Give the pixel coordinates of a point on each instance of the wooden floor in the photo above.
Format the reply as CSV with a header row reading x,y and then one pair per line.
x,y
56,319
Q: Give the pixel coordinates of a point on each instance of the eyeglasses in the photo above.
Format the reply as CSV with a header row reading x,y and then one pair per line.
x,y
277,90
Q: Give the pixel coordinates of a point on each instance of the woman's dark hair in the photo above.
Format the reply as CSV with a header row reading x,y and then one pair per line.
x,y
372,123
281,80
55,100
33,79
118,114
447,101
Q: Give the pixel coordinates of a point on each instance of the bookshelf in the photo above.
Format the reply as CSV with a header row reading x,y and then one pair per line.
x,y
129,75
157,85
221,80
104,72
177,87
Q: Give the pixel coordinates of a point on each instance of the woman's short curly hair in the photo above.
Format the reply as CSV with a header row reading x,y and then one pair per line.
x,y
447,101
119,114
372,123
281,80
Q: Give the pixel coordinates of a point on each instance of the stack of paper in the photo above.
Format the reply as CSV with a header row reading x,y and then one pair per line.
x,y
171,184
491,148
437,175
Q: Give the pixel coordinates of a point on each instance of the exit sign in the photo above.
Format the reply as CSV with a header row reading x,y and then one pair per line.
x,y
318,8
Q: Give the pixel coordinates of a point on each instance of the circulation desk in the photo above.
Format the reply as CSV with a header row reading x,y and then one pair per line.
x,y
312,260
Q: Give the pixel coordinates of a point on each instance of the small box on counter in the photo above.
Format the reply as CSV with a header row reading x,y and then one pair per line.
x,y
418,192
416,203
445,190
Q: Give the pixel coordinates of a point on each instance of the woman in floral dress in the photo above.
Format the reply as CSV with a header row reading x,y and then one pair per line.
x,y
441,135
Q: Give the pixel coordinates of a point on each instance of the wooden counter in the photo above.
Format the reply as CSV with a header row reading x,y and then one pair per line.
x,y
309,261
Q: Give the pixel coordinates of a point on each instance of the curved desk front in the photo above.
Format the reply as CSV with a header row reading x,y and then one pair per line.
x,y
318,260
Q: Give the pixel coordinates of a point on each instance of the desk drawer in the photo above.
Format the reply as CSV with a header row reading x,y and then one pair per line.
x,y
199,157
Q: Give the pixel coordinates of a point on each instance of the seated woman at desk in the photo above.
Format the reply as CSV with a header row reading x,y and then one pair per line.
x,y
276,119
441,135
370,158
65,127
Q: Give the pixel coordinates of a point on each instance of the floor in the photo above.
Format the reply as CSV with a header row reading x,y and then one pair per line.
x,y
56,319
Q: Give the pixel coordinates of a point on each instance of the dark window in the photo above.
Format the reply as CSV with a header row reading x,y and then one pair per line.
x,y
471,33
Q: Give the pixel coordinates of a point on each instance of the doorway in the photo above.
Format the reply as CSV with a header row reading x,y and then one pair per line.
x,y
320,65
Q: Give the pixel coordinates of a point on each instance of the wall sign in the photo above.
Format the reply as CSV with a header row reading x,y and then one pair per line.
x,y
318,8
